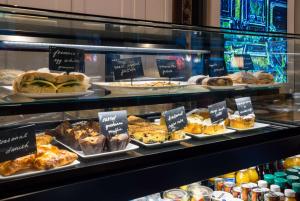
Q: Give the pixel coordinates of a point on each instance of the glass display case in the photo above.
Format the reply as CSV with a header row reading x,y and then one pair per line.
x,y
102,108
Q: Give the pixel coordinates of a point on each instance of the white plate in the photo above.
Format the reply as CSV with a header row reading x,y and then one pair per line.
x,y
257,125
117,88
130,147
235,86
34,172
275,85
56,95
201,136
166,143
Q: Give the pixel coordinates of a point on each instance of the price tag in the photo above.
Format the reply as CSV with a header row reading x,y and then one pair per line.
x,y
175,119
244,61
167,68
113,123
244,106
66,59
17,142
218,112
128,68
216,67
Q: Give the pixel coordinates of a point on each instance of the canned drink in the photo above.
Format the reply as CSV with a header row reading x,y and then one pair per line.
x,y
257,195
219,183
246,192
236,192
228,186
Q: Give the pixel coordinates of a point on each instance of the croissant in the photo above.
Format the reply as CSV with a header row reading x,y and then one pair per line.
x,y
11,167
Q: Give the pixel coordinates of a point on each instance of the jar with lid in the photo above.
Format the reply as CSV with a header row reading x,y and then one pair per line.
x,y
282,183
269,178
275,188
271,197
280,174
262,184
290,195
242,177
176,195
292,171
253,174
281,196
296,188
292,179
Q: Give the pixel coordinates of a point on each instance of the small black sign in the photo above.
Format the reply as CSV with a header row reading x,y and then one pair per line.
x,y
66,59
17,142
218,112
175,119
216,67
167,68
244,106
113,123
244,61
127,68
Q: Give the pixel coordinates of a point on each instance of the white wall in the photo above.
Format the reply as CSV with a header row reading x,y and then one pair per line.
x,y
157,10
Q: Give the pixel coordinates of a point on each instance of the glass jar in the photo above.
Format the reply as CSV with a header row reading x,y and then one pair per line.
x,y
176,195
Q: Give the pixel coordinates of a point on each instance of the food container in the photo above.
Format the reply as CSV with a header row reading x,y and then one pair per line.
x,y
228,186
246,192
236,191
257,195
221,196
219,184
271,197
197,192
176,195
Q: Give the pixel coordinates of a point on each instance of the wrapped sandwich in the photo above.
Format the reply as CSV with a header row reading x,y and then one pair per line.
x,y
42,82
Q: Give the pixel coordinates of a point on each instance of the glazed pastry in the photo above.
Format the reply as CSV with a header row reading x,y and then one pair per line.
x,y
194,124
177,135
217,81
211,129
242,122
11,167
93,144
118,142
264,78
43,139
243,78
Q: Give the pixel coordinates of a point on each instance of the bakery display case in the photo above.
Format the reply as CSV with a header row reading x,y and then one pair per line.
x,y
103,108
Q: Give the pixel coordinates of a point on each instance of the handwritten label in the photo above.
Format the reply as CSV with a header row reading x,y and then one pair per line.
x,y
216,67
113,123
244,106
218,112
66,59
167,68
127,68
246,61
175,119
17,142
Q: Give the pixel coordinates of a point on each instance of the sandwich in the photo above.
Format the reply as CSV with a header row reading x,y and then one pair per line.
x,y
42,82
243,78
264,78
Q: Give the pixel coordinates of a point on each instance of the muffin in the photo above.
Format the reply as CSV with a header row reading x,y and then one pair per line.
x,y
93,144
118,142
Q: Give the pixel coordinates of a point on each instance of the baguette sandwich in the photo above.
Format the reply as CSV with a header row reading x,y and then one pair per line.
x,y
42,82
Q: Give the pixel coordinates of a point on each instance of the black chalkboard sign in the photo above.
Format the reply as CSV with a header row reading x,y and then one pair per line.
x,y
127,68
167,68
246,62
113,123
216,67
175,119
244,106
218,112
66,59
17,142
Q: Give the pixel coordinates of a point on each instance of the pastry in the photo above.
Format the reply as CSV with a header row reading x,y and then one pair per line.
x,y
43,82
7,76
46,157
93,145
197,79
210,128
194,124
243,78
217,81
145,84
264,78
177,135
117,142
242,122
